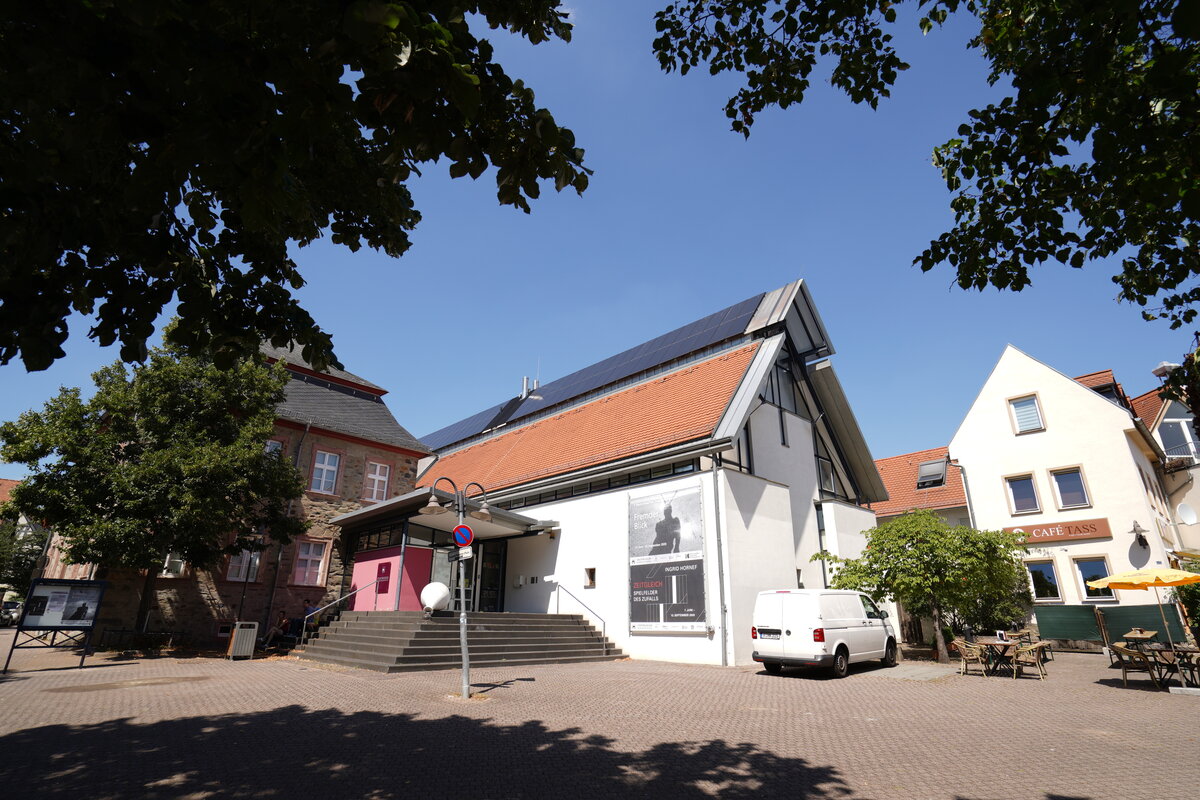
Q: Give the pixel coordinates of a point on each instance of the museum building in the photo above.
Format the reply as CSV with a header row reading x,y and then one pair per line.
x,y
655,492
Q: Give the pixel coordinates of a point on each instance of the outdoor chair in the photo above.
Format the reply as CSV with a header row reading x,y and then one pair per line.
x,y
970,654
1188,666
1030,655
1135,661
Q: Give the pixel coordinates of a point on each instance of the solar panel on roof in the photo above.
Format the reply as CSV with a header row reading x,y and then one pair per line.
x,y
672,345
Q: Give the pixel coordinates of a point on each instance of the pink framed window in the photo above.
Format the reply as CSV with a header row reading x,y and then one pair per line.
x,y
325,472
375,487
310,563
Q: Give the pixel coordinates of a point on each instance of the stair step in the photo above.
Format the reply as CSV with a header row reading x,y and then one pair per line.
x,y
455,664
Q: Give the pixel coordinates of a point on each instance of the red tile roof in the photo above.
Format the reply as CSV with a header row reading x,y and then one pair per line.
x,y
672,409
1147,406
6,487
899,475
1094,379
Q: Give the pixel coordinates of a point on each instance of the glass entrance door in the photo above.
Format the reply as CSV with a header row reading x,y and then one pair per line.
x,y
490,555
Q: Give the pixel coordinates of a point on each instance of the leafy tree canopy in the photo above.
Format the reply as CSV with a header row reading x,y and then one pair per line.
x,y
1092,155
932,568
152,149
20,548
167,458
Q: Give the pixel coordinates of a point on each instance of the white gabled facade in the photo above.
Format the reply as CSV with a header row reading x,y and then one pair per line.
x,y
1071,468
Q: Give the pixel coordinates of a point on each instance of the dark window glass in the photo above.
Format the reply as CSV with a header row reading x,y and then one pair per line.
x,y
1091,569
1070,488
1024,497
1045,582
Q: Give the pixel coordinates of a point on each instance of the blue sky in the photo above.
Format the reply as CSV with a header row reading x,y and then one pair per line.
x,y
683,218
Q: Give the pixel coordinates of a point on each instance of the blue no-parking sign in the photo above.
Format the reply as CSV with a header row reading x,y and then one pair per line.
x,y
463,535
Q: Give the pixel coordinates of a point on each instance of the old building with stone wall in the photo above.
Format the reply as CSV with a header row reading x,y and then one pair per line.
x,y
336,429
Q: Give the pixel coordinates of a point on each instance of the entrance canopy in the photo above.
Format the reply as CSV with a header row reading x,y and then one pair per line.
x,y
503,523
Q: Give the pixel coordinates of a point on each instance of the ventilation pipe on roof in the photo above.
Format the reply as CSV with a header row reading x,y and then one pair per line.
x,y
530,391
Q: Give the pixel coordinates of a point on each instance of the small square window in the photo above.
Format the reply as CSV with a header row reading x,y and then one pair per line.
x,y
1026,414
173,566
274,447
1092,569
1068,485
589,577
1022,494
931,474
1043,580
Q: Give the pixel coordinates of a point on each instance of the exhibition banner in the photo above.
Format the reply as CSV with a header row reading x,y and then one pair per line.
x,y
666,563
62,605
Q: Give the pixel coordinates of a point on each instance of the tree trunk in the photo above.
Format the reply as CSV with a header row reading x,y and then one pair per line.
x,y
147,601
943,655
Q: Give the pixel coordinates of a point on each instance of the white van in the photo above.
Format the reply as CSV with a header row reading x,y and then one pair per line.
x,y
820,627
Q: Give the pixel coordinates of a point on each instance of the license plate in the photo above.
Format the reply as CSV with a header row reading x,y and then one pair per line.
x,y
767,634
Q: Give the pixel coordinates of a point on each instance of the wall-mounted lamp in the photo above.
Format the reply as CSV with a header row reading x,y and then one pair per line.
x,y
1139,535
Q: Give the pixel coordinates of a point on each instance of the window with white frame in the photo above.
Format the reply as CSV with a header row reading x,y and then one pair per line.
x,y
173,566
243,567
274,447
1092,569
375,487
1027,417
1175,431
1069,488
931,474
1022,494
310,561
325,471
1043,580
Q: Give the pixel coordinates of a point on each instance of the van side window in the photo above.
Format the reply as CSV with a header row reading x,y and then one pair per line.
x,y
870,608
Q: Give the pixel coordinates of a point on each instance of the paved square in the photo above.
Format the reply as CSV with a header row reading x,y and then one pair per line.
x,y
159,728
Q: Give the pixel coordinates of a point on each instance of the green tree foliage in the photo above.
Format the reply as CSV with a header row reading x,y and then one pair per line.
x,y
1189,594
934,569
167,458
1093,154
152,149
20,548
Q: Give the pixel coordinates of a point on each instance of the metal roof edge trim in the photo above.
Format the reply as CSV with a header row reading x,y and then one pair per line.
x,y
849,434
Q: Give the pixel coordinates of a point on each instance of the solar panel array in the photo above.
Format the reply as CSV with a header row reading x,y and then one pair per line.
x,y
694,336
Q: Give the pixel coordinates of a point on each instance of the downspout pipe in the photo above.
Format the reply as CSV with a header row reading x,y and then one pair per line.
x,y
966,488
716,476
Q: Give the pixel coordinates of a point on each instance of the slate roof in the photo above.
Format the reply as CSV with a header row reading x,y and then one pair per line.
x,y
292,356
671,409
1147,406
342,409
899,475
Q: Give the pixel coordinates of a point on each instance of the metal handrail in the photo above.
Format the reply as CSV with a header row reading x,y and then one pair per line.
x,y
317,613
603,624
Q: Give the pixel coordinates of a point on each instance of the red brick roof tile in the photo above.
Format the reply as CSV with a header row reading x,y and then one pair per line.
x,y
899,475
672,409
6,487
1094,379
1147,406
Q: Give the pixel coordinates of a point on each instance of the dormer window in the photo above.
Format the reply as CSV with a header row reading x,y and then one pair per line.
x,y
1026,415
931,474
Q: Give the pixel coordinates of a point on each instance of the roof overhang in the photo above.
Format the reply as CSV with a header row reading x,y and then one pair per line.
x,y
408,506
845,427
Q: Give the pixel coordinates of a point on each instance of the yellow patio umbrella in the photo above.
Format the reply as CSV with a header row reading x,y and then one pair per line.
x,y
1149,579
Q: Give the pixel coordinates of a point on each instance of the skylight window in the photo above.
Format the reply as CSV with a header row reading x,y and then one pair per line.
x,y
931,474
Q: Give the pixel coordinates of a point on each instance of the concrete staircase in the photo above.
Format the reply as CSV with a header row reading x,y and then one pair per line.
x,y
399,641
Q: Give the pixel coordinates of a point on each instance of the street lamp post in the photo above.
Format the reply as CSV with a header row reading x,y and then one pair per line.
x,y
459,501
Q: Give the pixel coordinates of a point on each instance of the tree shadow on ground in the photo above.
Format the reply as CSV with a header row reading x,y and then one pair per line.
x,y
327,753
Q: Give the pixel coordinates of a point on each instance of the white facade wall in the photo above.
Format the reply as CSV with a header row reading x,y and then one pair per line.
x,y
768,530
1082,429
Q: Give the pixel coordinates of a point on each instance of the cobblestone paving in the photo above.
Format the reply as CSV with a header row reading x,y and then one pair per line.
x,y
198,728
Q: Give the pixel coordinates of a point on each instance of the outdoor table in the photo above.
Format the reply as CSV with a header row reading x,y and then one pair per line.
x,y
1168,655
1140,639
999,651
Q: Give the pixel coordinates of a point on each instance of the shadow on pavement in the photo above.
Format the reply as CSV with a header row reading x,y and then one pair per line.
x,y
330,754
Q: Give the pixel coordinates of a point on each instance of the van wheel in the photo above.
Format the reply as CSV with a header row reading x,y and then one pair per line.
x,y
889,654
841,663
773,667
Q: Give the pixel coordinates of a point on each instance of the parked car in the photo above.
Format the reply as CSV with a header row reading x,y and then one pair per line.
x,y
10,612
820,627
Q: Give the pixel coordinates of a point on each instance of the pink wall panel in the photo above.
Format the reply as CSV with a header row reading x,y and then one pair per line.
x,y
418,562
